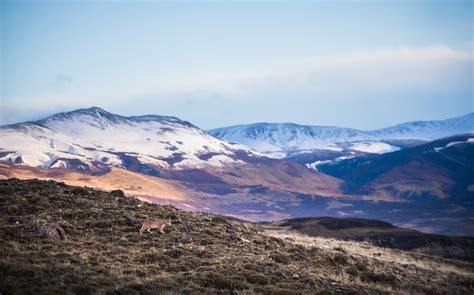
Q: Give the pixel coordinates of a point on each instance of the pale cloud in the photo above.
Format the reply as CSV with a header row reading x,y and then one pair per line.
x,y
377,70
342,78
65,78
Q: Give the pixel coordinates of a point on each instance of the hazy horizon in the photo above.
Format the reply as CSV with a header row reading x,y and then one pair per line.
x,y
247,123
364,65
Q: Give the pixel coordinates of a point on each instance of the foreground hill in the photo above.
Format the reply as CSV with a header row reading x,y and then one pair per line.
x,y
103,252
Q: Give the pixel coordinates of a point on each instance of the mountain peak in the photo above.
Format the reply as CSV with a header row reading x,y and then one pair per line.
x,y
103,117
92,114
92,110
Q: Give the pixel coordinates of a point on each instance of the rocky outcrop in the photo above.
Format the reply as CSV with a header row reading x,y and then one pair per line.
x,y
118,193
43,228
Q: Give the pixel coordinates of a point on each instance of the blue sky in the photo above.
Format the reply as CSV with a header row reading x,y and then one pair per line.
x,y
361,64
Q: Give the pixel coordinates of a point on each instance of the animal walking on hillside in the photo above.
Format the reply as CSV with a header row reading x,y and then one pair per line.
x,y
148,225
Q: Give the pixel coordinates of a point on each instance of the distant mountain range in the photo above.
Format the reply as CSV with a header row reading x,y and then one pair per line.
x,y
293,140
420,184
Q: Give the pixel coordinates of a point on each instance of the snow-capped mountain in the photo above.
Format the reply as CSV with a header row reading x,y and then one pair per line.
x,y
428,130
282,140
167,160
90,139
159,159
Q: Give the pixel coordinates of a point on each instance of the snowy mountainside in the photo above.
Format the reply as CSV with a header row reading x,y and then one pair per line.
x,y
284,139
93,138
278,137
428,130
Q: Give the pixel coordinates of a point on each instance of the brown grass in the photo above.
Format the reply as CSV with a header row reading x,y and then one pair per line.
x,y
105,254
368,251
281,178
134,184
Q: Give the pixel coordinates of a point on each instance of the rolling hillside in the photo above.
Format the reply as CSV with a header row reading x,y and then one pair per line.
x,y
101,251
442,168
379,233
435,178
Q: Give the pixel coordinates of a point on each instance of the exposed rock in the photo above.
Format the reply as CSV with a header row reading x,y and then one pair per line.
x,y
80,191
201,249
117,193
131,220
43,228
120,249
186,238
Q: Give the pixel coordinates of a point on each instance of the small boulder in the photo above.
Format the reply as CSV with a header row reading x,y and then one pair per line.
x,y
43,228
174,253
120,249
117,193
80,191
131,220
186,238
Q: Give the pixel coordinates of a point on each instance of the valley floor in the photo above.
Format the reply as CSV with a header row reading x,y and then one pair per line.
x,y
199,253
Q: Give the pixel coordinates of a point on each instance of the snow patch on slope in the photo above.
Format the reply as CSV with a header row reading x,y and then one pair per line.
x,y
280,140
438,149
373,147
315,164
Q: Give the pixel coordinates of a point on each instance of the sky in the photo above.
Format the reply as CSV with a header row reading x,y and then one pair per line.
x,y
360,64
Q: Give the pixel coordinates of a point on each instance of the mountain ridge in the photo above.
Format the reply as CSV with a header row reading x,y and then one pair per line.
x,y
468,116
97,136
202,173
283,139
214,175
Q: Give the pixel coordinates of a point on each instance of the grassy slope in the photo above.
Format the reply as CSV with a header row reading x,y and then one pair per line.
x,y
138,185
379,233
104,253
